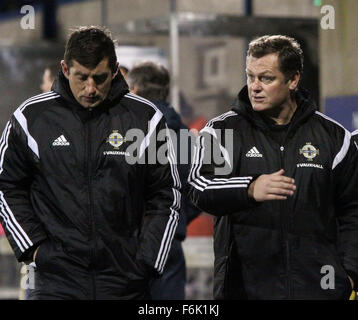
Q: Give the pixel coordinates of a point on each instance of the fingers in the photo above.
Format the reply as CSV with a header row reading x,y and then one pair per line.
x,y
281,185
279,172
275,197
281,188
273,186
282,179
351,281
35,253
280,191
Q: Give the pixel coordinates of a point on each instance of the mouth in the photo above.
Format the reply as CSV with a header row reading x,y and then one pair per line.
x,y
258,99
90,99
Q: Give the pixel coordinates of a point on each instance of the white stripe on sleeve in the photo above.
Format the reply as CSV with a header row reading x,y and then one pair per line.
x,y
174,215
11,224
202,183
17,232
18,114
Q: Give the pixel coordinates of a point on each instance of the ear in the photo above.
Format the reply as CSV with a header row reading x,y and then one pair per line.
x,y
65,69
294,81
116,72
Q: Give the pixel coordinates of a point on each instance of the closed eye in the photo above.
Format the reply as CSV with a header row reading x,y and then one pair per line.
x,y
100,78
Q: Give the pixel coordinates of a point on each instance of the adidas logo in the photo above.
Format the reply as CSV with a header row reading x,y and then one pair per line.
x,y
253,153
61,141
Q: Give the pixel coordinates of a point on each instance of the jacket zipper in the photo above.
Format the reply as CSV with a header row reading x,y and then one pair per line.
x,y
91,215
285,228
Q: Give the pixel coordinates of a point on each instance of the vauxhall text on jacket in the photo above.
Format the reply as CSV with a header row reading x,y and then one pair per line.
x,y
280,249
105,225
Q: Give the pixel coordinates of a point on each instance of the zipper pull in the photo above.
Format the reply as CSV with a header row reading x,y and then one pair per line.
x,y
282,148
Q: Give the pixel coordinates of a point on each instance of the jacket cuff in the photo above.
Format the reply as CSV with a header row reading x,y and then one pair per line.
x,y
252,202
146,269
27,256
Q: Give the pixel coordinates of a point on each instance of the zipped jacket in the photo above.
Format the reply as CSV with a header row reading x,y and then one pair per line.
x,y
104,224
300,248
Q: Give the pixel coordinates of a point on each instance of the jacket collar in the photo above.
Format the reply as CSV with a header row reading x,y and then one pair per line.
x,y
305,109
118,89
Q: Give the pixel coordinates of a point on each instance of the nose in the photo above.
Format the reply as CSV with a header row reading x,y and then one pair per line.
x,y
91,87
256,85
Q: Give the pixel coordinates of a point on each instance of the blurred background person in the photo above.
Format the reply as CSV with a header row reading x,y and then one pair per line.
x,y
48,76
210,67
192,120
123,70
152,81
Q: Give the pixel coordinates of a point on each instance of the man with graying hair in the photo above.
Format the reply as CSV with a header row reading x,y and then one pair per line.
x,y
286,216
152,81
94,225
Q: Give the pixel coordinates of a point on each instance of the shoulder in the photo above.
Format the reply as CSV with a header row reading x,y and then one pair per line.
x,y
35,105
355,134
336,135
223,121
140,106
332,127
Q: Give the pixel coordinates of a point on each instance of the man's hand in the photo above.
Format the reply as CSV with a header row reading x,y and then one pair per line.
x,y
35,253
274,186
351,281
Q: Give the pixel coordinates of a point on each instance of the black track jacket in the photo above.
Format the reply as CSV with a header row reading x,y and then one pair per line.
x,y
105,226
300,248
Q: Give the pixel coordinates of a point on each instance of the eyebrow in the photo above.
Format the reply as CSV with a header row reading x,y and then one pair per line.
x,y
261,73
79,73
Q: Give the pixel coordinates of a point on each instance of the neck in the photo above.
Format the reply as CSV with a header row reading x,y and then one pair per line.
x,y
283,114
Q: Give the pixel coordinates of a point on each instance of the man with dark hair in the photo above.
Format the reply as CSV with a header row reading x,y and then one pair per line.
x,y
149,80
81,47
286,224
96,224
152,81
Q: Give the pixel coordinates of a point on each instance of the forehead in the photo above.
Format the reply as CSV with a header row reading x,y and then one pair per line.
x,y
101,67
268,62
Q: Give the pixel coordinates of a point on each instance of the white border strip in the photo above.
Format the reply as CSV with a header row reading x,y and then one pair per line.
x,y
346,142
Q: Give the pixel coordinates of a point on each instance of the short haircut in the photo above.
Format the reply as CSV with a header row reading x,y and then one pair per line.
x,y
151,79
290,55
89,46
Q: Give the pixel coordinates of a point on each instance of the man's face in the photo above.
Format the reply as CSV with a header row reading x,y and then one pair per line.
x,y
267,86
89,86
47,80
